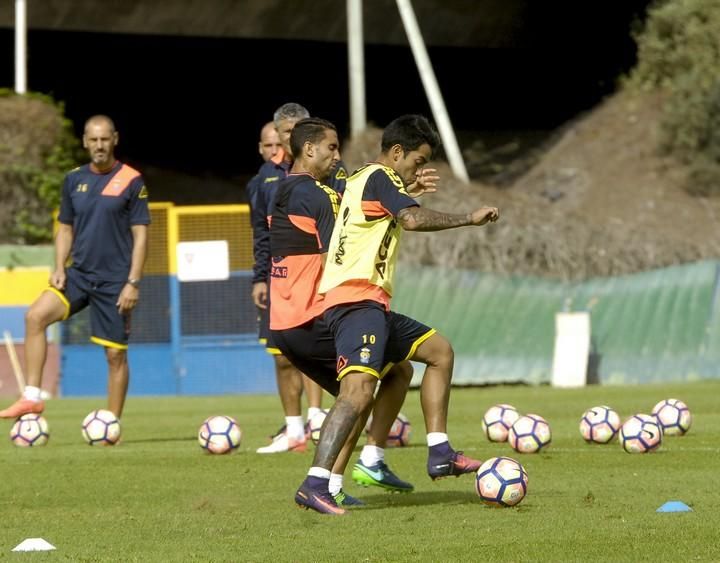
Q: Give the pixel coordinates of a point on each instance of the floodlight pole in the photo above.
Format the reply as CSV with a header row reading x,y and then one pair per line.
x,y
356,67
432,90
20,47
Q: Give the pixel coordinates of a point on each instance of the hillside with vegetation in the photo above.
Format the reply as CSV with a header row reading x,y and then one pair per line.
x,y
600,201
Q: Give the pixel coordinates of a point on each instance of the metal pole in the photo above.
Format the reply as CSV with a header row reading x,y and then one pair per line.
x,y
20,47
432,90
356,67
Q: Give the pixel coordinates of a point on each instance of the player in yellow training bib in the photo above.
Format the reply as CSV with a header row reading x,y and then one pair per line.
x,y
357,286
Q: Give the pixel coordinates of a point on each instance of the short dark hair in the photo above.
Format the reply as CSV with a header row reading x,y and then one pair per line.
x,y
410,132
310,129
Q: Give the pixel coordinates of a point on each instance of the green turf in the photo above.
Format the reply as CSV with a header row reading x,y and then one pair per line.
x,y
158,497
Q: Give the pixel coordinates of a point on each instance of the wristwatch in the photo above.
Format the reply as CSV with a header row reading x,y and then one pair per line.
x,y
135,282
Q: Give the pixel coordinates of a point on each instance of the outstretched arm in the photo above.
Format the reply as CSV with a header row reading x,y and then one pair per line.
x,y
423,219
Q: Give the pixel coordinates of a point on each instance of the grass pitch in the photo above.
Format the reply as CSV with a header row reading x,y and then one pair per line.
x,y
158,497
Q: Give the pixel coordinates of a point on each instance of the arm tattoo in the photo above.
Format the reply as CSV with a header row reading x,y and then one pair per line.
x,y
422,219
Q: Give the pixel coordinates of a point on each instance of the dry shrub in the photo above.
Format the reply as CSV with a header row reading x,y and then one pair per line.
x,y
37,148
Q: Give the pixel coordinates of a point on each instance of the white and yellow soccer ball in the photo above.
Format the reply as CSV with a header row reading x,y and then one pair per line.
x,y
501,482
219,434
498,420
599,425
529,434
315,424
674,417
101,428
30,430
641,433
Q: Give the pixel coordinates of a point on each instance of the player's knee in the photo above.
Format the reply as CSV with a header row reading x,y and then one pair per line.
x,y
438,352
403,372
116,357
359,389
36,319
282,363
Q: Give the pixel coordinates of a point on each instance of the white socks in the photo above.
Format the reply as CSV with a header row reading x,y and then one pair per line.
x,y
336,481
295,427
435,438
319,472
31,393
312,411
371,455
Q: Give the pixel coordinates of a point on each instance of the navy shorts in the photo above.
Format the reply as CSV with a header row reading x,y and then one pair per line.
x,y
370,339
107,326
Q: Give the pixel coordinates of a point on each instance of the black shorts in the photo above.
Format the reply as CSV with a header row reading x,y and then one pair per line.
x,y
311,349
265,334
315,349
107,326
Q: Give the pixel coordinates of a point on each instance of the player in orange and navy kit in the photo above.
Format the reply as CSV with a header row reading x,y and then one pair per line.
x,y
103,225
357,287
292,436
303,216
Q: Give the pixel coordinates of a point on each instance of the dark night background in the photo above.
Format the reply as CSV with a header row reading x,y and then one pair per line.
x,y
195,105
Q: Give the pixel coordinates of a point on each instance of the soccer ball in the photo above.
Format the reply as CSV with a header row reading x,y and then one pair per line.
x,y
219,434
529,434
497,422
501,481
101,428
641,433
400,431
315,424
674,417
599,424
30,430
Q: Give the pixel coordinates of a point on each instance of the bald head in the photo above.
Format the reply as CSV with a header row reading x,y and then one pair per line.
x,y
100,139
269,144
100,120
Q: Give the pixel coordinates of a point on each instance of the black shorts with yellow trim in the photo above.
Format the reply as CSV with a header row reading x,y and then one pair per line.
x,y
265,336
370,339
107,326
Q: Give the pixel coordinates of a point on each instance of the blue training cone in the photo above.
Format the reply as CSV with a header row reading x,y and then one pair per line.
x,y
674,506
